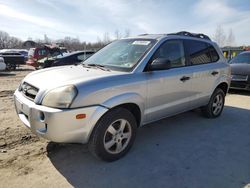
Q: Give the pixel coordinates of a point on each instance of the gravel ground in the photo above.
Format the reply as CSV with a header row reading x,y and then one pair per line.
x,y
186,150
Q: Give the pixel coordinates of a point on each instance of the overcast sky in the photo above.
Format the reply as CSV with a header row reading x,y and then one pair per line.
x,y
89,19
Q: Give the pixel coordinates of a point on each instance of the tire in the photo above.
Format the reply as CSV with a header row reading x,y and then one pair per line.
x,y
216,101
111,144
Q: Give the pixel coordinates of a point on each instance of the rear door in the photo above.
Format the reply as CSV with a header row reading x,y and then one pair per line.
x,y
203,59
167,92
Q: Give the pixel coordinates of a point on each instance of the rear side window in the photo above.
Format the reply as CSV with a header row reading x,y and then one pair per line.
x,y
200,52
42,52
173,51
214,54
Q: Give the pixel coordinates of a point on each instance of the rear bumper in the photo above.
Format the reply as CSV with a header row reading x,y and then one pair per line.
x,y
32,63
58,125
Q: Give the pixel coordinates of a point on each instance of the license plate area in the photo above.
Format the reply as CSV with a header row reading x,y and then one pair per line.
x,y
22,108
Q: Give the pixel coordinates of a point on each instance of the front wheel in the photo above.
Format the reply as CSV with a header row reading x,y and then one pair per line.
x,y
113,135
216,104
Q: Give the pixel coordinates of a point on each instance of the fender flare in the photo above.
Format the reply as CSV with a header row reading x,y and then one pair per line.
x,y
126,98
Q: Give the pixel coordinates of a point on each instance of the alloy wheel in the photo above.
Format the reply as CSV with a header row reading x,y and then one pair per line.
x,y
217,104
117,136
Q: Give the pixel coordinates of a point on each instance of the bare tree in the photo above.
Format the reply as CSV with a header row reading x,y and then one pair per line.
x,y
230,38
3,39
220,36
46,39
126,33
7,41
70,43
106,38
117,34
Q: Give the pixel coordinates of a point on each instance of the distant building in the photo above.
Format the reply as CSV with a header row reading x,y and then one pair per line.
x,y
29,44
230,52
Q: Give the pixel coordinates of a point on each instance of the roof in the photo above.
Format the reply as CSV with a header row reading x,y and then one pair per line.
x,y
245,52
149,36
182,34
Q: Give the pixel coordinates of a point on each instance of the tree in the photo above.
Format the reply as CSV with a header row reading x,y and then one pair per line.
x,y
231,38
126,33
220,36
46,39
117,34
7,41
106,38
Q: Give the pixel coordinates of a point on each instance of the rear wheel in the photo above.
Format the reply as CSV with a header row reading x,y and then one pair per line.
x,y
216,104
113,135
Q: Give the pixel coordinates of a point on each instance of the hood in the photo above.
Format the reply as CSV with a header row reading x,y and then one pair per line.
x,y
65,75
240,68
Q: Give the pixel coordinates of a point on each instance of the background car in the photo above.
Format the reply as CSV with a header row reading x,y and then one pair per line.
x,y
2,64
36,54
47,61
23,52
240,67
66,59
12,59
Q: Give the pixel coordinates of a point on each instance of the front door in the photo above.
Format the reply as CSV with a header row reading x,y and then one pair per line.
x,y
168,91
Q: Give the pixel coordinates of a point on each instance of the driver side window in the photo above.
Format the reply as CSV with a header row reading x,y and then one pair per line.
x,y
172,50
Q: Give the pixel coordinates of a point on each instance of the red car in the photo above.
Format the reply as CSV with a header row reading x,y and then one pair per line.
x,y
41,52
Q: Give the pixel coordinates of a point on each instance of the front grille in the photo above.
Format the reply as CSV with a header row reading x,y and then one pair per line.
x,y
236,77
29,91
238,85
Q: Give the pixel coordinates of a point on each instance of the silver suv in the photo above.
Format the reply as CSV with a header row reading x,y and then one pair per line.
x,y
127,84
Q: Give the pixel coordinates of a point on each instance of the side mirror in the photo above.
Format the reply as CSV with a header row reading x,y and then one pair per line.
x,y
160,64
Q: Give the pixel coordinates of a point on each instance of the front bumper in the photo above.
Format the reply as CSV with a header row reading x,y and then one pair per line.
x,y
241,85
58,125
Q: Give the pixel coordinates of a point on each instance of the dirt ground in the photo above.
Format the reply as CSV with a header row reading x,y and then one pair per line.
x,y
186,150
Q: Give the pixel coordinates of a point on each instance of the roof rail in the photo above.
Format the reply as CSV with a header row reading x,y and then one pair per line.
x,y
143,34
196,35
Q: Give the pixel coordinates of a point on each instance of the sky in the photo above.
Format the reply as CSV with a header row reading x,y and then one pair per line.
x,y
90,19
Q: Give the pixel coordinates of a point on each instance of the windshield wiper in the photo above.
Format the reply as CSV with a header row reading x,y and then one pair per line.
x,y
102,67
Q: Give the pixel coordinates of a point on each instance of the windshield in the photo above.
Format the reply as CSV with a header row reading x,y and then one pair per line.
x,y
241,58
121,55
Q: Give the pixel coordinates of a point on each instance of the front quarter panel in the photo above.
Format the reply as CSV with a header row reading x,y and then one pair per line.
x,y
125,98
113,91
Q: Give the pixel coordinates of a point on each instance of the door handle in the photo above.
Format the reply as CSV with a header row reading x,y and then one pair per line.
x,y
184,78
214,73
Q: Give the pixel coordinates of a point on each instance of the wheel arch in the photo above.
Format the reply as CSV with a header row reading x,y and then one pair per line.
x,y
224,86
131,101
134,109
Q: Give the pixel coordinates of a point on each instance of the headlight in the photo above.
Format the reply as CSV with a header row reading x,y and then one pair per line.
x,y
61,97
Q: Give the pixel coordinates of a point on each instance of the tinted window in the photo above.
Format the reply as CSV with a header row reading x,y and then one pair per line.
x,y
172,51
213,53
42,52
199,52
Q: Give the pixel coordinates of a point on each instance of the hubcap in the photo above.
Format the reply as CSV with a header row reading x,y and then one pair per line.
x,y
217,104
117,136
